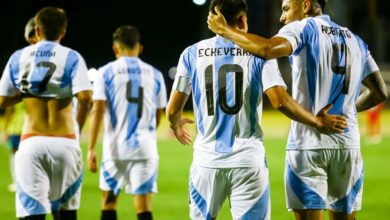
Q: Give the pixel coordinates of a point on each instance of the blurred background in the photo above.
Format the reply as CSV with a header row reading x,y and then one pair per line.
x,y
167,28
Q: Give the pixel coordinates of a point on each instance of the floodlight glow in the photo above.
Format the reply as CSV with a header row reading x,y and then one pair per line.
x,y
199,2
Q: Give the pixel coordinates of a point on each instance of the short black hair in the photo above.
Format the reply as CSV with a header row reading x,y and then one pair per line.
x,y
29,30
52,21
230,9
126,35
322,3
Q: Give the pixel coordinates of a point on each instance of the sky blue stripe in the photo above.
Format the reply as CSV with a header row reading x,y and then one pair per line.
x,y
260,209
200,202
225,123
345,204
157,90
190,59
111,181
256,88
39,73
31,205
310,36
364,51
14,67
71,64
134,73
304,193
68,194
147,186
108,76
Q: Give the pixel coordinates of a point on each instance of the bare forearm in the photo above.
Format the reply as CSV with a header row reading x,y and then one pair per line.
x,y
295,112
367,100
82,113
9,101
96,122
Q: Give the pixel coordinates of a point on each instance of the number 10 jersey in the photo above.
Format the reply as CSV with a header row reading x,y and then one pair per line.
x,y
227,84
328,64
46,69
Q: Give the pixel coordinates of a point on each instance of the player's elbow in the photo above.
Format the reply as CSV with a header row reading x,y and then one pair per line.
x,y
85,99
384,94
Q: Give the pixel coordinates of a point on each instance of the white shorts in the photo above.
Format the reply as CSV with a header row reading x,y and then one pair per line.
x,y
137,177
324,179
247,189
48,175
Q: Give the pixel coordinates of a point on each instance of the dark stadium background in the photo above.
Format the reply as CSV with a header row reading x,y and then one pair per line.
x,y
168,27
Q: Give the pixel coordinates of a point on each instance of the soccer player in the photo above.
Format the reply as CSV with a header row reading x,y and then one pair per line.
x,y
329,64
227,83
14,115
45,76
131,95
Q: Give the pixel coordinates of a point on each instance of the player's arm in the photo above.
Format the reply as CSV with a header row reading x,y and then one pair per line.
x,y
6,101
260,46
159,114
375,93
324,122
97,114
84,99
174,113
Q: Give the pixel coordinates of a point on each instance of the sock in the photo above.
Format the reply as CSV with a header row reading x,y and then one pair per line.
x,y
108,215
145,216
68,215
34,217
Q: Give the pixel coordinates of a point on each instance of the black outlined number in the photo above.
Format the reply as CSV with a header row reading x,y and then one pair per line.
x,y
340,66
138,100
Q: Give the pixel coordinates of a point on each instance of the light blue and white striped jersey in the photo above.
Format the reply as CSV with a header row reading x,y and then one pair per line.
x,y
328,63
46,69
227,84
133,91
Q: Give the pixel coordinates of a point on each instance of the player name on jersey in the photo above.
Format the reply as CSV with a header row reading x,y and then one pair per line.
x,y
222,51
335,31
44,53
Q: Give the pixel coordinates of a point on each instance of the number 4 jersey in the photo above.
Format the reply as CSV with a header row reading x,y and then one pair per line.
x,y
133,91
227,84
328,66
46,69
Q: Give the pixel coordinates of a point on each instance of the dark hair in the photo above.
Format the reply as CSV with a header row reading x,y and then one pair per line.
x,y
230,9
52,21
322,3
126,35
29,30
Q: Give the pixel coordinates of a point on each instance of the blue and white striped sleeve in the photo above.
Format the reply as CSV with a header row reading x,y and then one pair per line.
x,y
182,81
271,76
293,33
7,87
80,80
99,90
162,94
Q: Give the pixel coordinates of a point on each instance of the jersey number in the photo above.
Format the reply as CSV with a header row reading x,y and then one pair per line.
x,y
222,101
339,67
138,100
44,67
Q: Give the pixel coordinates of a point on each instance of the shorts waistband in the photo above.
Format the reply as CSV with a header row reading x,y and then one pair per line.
x,y
25,136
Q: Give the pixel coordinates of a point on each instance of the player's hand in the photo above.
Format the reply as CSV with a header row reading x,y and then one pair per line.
x,y
91,157
216,22
181,132
331,123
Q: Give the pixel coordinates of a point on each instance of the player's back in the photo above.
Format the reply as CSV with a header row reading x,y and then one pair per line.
x,y
45,74
133,91
329,63
227,86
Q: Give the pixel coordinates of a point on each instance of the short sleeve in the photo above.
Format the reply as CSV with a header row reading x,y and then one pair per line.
x,y
7,88
370,66
293,33
182,81
162,93
271,76
80,81
99,92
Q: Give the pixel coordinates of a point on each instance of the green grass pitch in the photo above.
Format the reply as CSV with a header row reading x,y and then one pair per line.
x,y
171,202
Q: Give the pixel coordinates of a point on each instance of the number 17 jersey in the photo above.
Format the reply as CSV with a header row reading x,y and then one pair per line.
x,y
45,69
227,84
